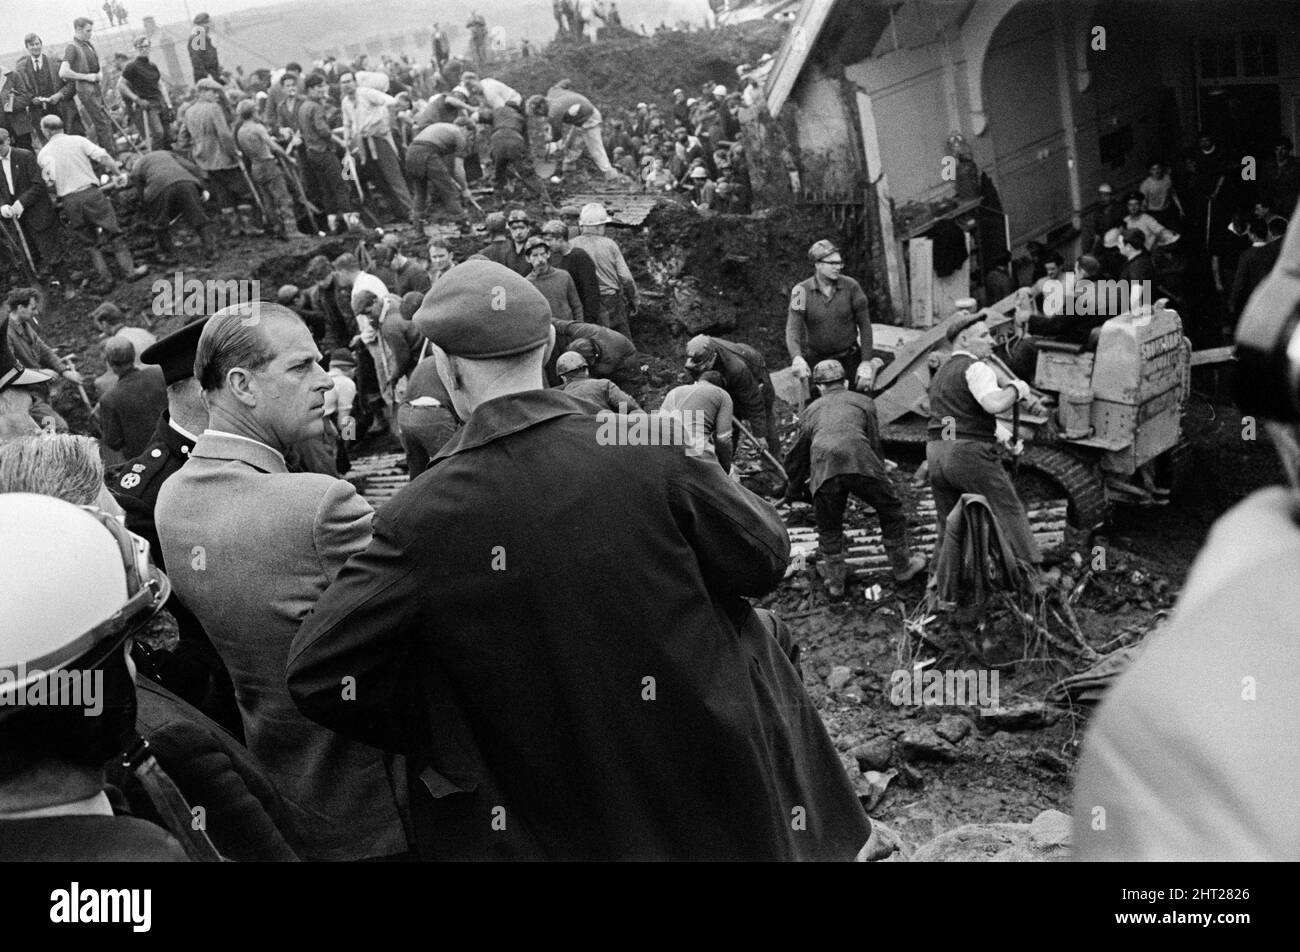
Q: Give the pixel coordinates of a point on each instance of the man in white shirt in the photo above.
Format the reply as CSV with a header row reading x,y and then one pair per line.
x,y
65,162
367,128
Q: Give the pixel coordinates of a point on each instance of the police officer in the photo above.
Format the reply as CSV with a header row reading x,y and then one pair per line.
x,y
194,670
829,317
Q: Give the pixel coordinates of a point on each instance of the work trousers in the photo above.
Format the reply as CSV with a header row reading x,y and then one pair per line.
x,y
269,177
436,191
324,181
587,136
875,489
89,213
613,313
152,131
91,99
509,151
378,161
228,188
179,198
974,466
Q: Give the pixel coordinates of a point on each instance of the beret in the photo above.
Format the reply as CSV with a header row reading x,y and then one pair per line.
x,y
175,352
480,309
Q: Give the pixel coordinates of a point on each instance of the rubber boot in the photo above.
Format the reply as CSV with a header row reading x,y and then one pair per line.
x,y
248,217
208,234
903,563
835,572
230,218
122,255
289,226
101,268
353,220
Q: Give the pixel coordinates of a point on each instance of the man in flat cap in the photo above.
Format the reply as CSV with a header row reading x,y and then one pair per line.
x,y
250,546
653,719
966,395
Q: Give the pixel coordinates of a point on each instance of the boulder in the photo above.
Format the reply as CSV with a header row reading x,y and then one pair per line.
x,y
839,677
1045,840
874,754
953,728
922,743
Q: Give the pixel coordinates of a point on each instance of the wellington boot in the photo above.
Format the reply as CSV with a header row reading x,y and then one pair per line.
x,y
248,220
904,564
834,572
104,276
353,220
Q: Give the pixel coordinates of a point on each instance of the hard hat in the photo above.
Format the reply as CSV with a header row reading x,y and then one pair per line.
x,y
700,351
536,241
699,172
569,361
517,214
822,249
828,371
570,211
77,586
593,213
719,90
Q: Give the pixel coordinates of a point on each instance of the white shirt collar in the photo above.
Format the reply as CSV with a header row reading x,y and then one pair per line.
x,y
184,432
246,439
94,805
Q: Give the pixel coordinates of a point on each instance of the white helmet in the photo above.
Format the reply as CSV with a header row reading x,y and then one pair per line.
x,y
76,583
593,213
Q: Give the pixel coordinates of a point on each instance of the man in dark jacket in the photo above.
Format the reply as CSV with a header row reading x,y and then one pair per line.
x,y
744,376
579,265
129,412
25,203
653,719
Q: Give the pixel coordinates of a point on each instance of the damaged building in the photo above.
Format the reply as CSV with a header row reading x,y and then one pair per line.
x,y
987,126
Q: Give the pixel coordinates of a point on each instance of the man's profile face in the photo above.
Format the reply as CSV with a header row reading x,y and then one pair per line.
x,y
83,32
35,47
4,146
291,388
978,340
829,268
25,312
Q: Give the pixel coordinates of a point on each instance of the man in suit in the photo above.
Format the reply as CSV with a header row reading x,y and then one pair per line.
x,y
25,203
39,91
13,119
251,546
655,718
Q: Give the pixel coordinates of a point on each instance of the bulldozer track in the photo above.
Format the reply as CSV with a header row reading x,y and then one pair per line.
x,y
1081,481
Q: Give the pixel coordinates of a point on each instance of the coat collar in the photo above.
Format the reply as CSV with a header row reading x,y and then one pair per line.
x,y
225,446
510,414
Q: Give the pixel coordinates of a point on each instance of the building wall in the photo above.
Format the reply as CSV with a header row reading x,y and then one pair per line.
x,y
830,159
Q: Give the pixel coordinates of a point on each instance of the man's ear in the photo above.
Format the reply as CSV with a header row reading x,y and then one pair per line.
x,y
550,346
241,385
448,370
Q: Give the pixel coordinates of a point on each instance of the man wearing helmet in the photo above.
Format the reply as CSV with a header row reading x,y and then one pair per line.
x,y
838,450
618,297
829,318
53,805
744,377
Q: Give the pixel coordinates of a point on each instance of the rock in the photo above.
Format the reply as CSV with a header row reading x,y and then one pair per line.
x,y
853,694
839,677
1050,830
1021,717
883,846
877,783
874,754
1049,759
922,743
953,728
1046,840
848,742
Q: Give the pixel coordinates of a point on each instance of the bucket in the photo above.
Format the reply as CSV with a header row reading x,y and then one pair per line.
x,y
1075,414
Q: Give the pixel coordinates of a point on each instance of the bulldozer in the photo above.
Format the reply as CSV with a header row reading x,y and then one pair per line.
x,y
1111,420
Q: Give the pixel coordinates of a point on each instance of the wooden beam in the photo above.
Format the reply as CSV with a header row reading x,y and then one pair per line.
x,y
1214,355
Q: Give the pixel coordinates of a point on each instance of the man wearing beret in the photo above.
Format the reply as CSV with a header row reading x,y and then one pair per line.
x,y
966,395
654,719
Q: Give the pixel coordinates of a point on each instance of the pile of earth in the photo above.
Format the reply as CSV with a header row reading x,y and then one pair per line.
x,y
628,68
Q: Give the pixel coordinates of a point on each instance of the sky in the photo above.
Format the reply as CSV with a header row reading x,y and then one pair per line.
x,y
52,19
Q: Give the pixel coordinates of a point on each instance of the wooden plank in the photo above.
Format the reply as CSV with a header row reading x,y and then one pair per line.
x,y
1214,355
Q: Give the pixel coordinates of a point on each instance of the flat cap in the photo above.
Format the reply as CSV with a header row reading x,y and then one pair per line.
x,y
828,371
480,309
570,211
699,351
411,302
960,321
207,82
175,352
569,361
